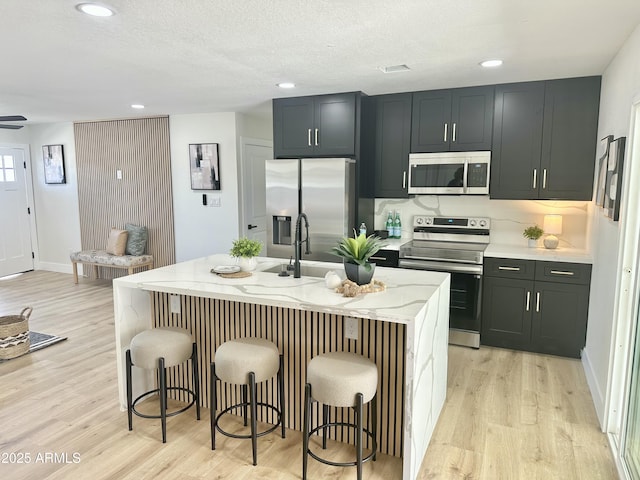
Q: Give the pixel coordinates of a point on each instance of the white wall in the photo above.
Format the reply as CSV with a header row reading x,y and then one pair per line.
x,y
620,86
200,230
56,206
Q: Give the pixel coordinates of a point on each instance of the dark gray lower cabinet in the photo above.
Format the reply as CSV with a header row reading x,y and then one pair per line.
x,y
535,306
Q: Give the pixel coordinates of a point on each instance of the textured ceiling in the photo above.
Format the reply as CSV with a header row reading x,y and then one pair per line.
x,y
188,56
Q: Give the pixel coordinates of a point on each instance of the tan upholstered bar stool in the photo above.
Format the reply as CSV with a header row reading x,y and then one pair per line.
x,y
247,361
340,379
162,348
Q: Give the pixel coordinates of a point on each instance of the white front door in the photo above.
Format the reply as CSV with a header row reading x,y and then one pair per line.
x,y
254,214
15,236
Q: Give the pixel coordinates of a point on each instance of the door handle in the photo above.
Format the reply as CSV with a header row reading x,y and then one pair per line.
x,y
528,301
453,134
544,178
404,179
252,226
316,137
537,302
309,136
445,131
535,178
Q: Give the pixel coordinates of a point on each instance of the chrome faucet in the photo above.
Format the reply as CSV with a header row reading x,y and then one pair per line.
x,y
297,246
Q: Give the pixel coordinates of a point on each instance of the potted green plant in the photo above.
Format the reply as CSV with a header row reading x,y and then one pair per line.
x,y
245,250
356,253
532,233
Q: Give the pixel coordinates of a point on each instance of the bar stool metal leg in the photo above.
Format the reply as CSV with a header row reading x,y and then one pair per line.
x,y
305,430
244,402
359,435
163,398
129,392
213,401
196,379
325,420
374,427
254,413
281,400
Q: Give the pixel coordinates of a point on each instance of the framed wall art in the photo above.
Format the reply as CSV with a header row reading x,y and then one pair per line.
x,y
205,166
53,159
602,165
613,187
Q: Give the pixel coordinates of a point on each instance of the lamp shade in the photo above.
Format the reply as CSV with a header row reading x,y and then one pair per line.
x,y
552,224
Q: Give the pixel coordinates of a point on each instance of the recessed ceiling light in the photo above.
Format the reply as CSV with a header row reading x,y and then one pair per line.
x,y
394,69
95,9
286,85
491,63
137,105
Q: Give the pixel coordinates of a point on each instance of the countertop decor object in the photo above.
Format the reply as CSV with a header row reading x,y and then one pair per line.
x,y
245,250
356,253
552,226
532,234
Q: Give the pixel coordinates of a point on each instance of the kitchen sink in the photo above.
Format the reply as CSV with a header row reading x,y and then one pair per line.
x,y
305,270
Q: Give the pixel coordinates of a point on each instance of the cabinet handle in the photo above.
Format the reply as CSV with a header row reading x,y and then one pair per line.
x,y
561,272
453,134
316,137
309,137
445,132
535,178
378,258
544,178
537,301
511,269
404,179
528,300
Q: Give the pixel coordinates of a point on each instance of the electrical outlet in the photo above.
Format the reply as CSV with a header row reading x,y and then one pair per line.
x,y
174,304
351,328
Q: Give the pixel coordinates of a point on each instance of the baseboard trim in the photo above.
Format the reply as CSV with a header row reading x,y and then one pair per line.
x,y
57,267
596,394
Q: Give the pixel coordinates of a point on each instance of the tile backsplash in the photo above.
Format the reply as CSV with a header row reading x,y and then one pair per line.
x,y
508,217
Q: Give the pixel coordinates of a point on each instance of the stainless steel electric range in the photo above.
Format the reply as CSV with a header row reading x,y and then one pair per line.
x,y
455,245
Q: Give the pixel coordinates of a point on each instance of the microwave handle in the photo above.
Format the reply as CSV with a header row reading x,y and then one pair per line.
x,y
464,176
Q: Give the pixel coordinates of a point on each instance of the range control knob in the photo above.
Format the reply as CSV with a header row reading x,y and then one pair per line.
x,y
472,223
419,220
428,220
483,223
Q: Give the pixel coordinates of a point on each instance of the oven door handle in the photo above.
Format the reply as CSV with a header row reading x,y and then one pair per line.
x,y
450,267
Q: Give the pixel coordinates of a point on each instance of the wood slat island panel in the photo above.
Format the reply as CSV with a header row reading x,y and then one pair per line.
x,y
300,336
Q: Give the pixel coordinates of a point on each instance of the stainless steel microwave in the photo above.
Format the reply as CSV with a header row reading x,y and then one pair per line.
x,y
452,173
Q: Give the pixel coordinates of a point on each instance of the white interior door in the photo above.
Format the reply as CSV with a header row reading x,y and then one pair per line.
x,y
15,239
254,215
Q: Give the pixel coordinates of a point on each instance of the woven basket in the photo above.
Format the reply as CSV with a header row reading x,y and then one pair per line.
x,y
14,334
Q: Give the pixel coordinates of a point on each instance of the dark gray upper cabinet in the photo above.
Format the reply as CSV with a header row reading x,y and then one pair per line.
x,y
392,142
544,139
323,125
460,119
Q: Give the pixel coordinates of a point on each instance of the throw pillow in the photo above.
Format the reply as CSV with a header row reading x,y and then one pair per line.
x,y
117,241
136,239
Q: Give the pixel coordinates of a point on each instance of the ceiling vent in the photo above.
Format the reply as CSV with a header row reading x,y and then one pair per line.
x,y
395,69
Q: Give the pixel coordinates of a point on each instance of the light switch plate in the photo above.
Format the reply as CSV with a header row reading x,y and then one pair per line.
x,y
214,201
351,328
174,304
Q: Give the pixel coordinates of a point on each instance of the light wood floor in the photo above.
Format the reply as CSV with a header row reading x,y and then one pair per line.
x,y
508,415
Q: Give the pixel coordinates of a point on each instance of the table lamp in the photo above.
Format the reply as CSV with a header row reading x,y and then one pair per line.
x,y
552,226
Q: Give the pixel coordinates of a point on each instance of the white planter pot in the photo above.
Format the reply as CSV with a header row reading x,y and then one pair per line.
x,y
532,243
247,264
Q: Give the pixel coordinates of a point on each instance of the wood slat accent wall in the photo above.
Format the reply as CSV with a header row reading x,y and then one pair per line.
x,y
300,336
140,149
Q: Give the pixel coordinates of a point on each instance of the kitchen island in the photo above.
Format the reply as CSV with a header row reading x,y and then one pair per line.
x,y
403,329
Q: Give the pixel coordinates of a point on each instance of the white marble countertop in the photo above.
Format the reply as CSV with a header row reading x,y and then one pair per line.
x,y
571,255
407,291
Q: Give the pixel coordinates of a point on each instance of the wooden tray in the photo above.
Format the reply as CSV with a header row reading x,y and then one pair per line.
x,y
234,275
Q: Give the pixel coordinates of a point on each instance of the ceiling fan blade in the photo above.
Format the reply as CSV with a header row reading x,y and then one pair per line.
x,y
11,118
11,127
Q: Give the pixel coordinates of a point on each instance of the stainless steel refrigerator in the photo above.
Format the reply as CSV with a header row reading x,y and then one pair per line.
x,y
322,188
